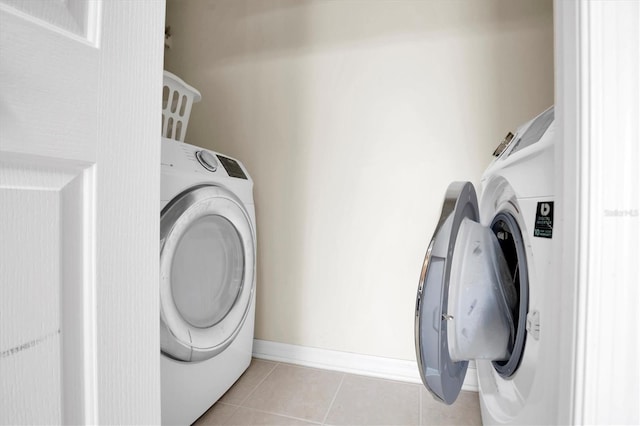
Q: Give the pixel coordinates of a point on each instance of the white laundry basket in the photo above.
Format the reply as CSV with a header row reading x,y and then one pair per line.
x,y
177,99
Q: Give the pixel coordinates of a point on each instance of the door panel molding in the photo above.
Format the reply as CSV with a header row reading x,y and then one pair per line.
x,y
76,19
48,256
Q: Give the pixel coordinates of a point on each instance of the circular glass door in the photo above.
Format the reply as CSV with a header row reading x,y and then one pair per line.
x,y
207,271
207,265
466,297
441,375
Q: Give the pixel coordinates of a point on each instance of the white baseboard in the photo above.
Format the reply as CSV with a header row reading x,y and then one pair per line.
x,y
346,362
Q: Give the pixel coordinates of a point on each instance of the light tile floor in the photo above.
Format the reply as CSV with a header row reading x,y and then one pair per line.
x,y
271,393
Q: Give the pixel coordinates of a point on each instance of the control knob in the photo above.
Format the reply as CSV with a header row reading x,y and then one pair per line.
x,y
207,159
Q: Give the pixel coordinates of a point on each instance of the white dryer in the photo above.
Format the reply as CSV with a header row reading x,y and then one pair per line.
x,y
485,292
207,278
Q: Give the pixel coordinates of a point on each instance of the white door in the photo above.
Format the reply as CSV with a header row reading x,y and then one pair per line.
x,y
80,93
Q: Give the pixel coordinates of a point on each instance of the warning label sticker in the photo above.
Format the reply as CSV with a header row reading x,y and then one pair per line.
x,y
544,220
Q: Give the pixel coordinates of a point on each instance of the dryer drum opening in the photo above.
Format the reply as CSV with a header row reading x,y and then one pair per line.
x,y
509,236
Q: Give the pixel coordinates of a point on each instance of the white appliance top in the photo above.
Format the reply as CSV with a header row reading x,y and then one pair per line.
x,y
184,165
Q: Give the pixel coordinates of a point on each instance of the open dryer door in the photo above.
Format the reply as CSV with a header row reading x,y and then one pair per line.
x,y
465,297
207,267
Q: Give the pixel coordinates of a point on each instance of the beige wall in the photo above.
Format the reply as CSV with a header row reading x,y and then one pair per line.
x,y
353,117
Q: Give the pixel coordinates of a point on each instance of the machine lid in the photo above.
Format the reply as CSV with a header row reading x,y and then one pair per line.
x,y
207,266
464,297
442,376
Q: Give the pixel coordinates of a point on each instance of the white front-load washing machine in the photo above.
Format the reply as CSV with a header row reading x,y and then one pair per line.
x,y
207,278
485,292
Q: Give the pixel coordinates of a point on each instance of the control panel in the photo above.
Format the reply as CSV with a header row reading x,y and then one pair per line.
x,y
182,157
232,167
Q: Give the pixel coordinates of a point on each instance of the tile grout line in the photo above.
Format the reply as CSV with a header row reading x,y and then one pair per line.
x,y
240,404
233,413
326,416
279,414
273,413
